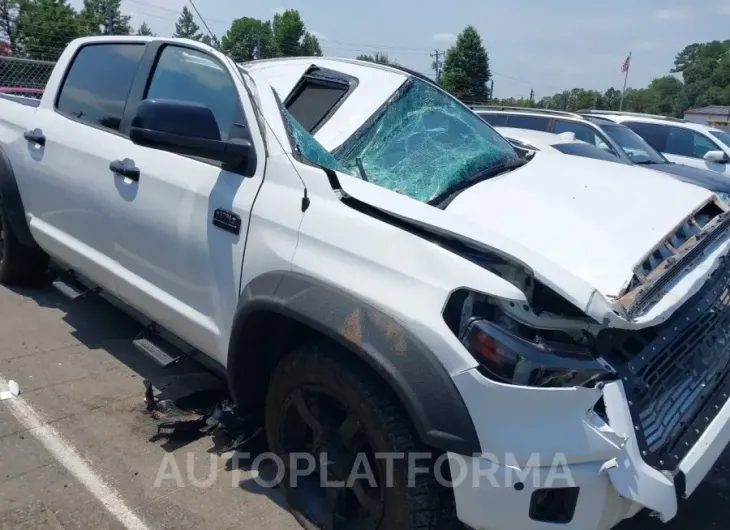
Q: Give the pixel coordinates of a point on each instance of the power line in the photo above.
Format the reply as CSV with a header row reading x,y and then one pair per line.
x,y
210,33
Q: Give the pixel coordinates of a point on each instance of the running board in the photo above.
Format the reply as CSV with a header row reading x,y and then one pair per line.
x,y
160,351
70,287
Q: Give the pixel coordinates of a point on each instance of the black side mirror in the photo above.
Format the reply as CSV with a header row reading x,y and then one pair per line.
x,y
187,129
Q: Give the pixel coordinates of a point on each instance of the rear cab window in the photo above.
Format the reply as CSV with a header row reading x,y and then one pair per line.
x,y
317,95
97,83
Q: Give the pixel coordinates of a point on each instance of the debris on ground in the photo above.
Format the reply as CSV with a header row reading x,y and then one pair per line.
x,y
12,391
204,413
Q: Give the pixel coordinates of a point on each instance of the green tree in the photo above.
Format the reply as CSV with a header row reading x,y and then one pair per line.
x,y
9,14
310,46
46,27
211,41
145,31
611,99
186,27
380,58
248,39
104,17
466,68
289,32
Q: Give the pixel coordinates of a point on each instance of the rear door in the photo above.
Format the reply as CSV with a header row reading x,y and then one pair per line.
x,y
68,182
177,266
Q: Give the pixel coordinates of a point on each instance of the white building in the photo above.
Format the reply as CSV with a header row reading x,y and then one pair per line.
x,y
718,115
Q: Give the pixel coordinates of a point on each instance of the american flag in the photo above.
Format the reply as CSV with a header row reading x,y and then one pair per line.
x,y
627,63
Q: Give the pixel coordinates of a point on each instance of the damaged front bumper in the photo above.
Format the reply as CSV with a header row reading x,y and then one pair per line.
x,y
643,440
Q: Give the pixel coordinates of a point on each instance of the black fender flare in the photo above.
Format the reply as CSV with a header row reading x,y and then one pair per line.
x,y
12,202
412,370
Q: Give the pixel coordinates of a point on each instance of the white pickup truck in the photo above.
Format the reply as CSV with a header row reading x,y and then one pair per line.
x,y
378,272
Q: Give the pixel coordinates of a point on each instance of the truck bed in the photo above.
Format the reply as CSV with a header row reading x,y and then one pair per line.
x,y
23,100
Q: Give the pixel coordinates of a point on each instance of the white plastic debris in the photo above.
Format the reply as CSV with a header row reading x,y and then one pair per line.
x,y
13,391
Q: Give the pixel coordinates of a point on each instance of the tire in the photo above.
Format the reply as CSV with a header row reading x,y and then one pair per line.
x,y
19,264
331,383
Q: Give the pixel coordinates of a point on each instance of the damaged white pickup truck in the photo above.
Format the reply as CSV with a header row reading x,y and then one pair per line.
x,y
378,272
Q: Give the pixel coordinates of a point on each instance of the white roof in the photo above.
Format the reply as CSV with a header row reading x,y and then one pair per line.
x,y
375,84
620,118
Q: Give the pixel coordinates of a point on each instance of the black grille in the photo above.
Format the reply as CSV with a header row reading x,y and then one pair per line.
x,y
676,372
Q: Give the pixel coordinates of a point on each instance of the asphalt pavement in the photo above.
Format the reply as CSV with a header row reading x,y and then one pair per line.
x,y
78,449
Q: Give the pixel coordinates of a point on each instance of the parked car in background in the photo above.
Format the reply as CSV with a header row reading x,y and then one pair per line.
x,y
528,141
679,140
551,121
616,139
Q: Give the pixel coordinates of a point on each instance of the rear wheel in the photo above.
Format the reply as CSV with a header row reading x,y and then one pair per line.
x,y
325,404
18,264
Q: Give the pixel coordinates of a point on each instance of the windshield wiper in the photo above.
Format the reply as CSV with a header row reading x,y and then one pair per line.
x,y
647,163
443,198
363,175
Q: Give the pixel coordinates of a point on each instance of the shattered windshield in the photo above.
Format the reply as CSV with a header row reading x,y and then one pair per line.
x,y
308,147
422,143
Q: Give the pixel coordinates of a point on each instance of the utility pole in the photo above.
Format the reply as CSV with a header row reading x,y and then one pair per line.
x,y
109,19
625,68
532,98
437,64
491,91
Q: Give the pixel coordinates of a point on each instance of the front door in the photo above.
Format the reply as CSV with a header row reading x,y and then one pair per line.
x,y
177,266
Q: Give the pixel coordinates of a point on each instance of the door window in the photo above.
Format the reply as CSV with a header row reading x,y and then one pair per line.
x,y
188,75
584,133
685,142
654,134
96,86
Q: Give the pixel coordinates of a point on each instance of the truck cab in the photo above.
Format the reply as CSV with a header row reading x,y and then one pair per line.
x,y
377,271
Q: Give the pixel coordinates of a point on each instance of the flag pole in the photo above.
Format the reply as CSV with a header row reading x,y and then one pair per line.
x,y
626,77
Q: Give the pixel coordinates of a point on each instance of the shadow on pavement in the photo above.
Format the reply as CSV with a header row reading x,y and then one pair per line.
x,y
98,324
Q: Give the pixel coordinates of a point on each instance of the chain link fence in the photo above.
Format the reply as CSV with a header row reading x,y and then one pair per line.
x,y
24,73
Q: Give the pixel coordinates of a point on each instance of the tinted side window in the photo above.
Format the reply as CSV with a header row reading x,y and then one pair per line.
x,y
655,135
495,120
313,99
703,145
582,132
189,75
96,86
528,122
586,151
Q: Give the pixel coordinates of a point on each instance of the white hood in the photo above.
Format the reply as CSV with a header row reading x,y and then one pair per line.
x,y
597,219
581,225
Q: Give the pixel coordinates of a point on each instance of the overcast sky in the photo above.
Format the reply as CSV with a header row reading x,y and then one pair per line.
x,y
547,46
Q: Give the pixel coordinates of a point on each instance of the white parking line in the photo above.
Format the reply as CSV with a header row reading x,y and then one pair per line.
x,y
67,456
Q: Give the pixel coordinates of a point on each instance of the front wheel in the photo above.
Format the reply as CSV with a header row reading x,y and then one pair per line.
x,y
327,410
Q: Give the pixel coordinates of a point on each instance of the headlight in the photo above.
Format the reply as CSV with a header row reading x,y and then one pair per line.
x,y
507,358
725,197
555,350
